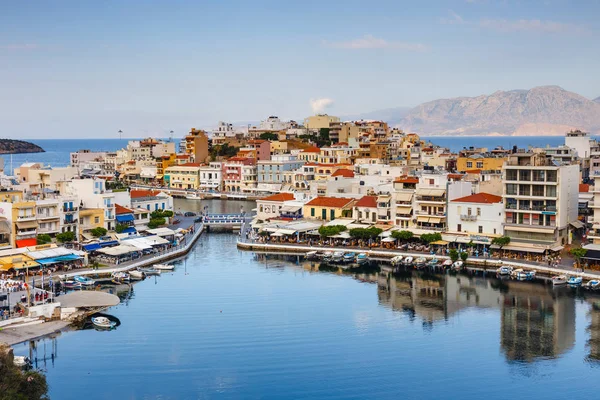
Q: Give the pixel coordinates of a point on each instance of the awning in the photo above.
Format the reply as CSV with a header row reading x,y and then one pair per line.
x,y
125,218
388,239
404,196
277,234
129,229
531,229
431,192
54,260
519,248
108,243
440,242
118,250
422,219
341,235
556,248
4,226
435,220
290,209
27,224
403,210
161,232
576,224
91,247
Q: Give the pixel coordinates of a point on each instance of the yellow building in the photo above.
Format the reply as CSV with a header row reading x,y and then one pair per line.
x,y
196,145
185,176
279,147
90,218
162,163
320,121
480,162
328,208
20,217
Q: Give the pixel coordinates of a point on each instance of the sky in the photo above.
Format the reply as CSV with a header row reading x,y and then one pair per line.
x,y
75,69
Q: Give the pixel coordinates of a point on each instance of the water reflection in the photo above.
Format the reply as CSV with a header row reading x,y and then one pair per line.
x,y
593,329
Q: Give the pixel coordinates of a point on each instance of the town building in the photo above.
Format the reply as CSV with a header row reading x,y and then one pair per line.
x,y
477,217
196,145
328,208
185,176
270,207
320,121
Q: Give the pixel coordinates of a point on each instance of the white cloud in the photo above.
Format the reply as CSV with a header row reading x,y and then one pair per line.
x,y
319,105
372,42
529,25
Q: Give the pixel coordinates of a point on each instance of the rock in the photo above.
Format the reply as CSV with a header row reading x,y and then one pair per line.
x,y
11,146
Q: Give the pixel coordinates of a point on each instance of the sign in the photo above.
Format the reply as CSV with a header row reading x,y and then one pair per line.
x,y
479,238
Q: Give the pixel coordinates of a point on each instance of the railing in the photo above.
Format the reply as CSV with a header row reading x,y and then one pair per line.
x,y
25,217
432,198
468,217
73,209
69,222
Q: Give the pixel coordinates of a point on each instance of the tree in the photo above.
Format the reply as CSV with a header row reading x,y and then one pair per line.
x,y
269,136
454,255
327,231
402,235
431,237
463,256
161,214
501,241
156,222
578,253
66,237
16,384
365,233
98,232
44,239
119,228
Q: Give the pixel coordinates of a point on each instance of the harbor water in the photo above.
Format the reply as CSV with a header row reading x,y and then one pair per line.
x,y
228,324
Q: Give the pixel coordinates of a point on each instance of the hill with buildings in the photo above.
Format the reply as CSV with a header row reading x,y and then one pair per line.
x,y
11,146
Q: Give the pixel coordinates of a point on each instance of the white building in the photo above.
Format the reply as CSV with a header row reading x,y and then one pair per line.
x,y
270,207
92,193
211,176
476,217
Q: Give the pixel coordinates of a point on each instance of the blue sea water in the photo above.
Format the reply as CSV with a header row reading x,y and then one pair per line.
x,y
229,324
457,143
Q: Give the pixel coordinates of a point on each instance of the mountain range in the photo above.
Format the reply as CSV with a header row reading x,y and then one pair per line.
x,y
544,110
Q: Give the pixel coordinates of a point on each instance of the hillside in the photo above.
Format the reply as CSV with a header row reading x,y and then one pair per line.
x,y
597,99
11,146
547,110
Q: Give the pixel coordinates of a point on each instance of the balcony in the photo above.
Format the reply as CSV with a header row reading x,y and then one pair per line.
x,y
468,217
49,230
430,214
26,218
47,216
69,209
69,222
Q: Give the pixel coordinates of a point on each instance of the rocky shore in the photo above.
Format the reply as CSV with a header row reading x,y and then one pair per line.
x,y
11,146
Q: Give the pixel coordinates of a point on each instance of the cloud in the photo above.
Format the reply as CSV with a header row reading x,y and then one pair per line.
x,y
372,42
319,105
453,19
19,46
529,25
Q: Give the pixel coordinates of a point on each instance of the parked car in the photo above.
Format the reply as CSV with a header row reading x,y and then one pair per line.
x,y
198,220
189,214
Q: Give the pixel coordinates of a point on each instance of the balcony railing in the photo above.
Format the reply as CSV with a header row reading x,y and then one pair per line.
x,y
25,217
69,222
468,217
69,209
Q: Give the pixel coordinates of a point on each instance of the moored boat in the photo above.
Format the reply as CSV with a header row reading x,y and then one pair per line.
x,y
311,255
327,256
164,267
337,256
70,284
362,258
84,280
559,280
408,261
103,322
457,265
349,257
433,262
504,270
396,260
136,275
420,262
149,271
22,362
447,263
592,285
575,280
516,272
120,276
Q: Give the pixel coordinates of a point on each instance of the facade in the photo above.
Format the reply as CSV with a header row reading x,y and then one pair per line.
x,y
270,207
196,145
477,217
90,218
92,193
483,162
365,210
328,208
151,200
320,121
211,176
185,176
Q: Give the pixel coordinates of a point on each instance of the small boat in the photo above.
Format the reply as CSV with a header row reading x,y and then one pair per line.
x,y
164,267
420,262
396,260
193,196
22,362
136,275
311,255
120,276
70,284
524,275
504,270
433,262
408,261
84,280
103,322
559,280
149,271
575,280
447,263
456,266
337,256
349,257
327,256
592,285
516,272
362,258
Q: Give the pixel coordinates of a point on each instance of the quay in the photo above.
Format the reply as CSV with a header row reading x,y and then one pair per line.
x,y
473,263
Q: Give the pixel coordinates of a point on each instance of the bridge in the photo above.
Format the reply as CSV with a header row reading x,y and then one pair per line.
x,y
226,221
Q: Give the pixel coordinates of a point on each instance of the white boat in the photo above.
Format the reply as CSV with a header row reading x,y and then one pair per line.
x,y
327,256
192,196
504,270
120,276
396,260
408,260
349,257
103,322
420,262
84,280
447,263
559,280
593,285
524,275
338,256
149,271
311,255
137,275
456,266
575,280
516,272
362,258
164,267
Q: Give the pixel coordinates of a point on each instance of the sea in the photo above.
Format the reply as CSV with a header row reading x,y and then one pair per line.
x,y
230,324
58,150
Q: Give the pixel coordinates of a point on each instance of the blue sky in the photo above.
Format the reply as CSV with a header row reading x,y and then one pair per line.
x,y
87,69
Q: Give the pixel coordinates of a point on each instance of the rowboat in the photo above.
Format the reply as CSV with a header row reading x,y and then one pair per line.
x,y
103,322
447,263
136,275
575,280
559,280
84,280
420,262
120,276
349,257
408,261
592,285
311,255
396,260
164,267
338,256
524,276
504,270
149,271
457,265
362,258
433,262
327,256
71,284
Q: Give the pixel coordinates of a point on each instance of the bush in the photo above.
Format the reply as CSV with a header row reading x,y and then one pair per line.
x,y
120,228
327,231
431,237
65,237
16,384
98,232
365,233
454,255
463,256
44,239
161,214
501,241
268,136
156,222
402,235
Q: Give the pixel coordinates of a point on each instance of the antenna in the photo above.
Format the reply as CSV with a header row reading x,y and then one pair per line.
x,y
171,136
120,134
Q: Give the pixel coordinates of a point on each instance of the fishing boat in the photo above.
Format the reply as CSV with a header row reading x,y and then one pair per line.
x,y
592,285
193,196
349,257
408,261
84,280
362,258
504,270
70,284
311,255
420,262
447,263
515,272
149,271
120,276
433,262
337,256
559,280
575,280
103,322
164,267
396,260
136,275
457,265
524,276
327,256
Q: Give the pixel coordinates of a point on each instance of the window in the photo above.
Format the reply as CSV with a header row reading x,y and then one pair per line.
x,y
96,220
323,214
469,211
431,181
312,212
469,164
478,212
480,229
494,231
332,215
480,164
459,228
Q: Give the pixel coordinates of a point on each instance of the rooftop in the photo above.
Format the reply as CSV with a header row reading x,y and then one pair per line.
x,y
346,173
482,198
336,202
367,201
279,197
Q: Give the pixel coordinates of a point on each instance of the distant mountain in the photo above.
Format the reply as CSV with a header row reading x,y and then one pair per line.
x,y
597,99
545,110
392,116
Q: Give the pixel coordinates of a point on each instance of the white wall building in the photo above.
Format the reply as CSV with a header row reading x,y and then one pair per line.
x,y
476,217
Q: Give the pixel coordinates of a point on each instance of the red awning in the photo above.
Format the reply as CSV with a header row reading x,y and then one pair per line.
x,y
26,242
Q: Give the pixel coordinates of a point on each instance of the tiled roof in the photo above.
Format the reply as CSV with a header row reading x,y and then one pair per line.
x,y
279,197
473,171
455,176
336,202
407,179
312,149
346,173
483,198
367,201
190,164
182,156
122,210
135,194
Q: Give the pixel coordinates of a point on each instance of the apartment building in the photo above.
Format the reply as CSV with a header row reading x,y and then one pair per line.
x,y
196,145
270,173
48,216
90,218
540,200
270,207
328,208
404,195
184,176
211,176
320,121
92,193
477,217
151,200
21,226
